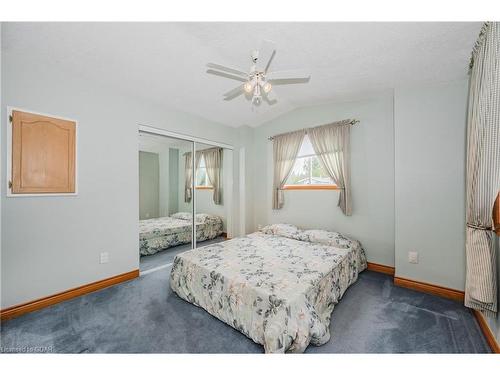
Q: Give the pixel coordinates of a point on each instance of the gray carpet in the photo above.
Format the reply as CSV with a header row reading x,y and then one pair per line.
x,y
145,316
148,262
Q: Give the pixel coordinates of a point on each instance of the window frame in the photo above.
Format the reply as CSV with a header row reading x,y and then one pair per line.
x,y
331,186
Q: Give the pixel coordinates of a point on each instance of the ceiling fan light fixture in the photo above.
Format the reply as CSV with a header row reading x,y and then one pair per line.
x,y
248,87
267,87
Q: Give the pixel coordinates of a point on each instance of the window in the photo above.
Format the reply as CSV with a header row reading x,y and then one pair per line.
x,y
308,172
202,181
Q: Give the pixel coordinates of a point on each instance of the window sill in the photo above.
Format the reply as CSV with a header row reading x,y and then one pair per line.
x,y
310,187
204,187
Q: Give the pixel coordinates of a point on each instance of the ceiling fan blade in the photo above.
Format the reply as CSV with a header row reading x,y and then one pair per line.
x,y
226,75
227,69
289,74
233,93
266,53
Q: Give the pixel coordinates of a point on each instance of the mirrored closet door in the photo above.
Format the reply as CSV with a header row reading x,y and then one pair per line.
x,y
166,199
185,196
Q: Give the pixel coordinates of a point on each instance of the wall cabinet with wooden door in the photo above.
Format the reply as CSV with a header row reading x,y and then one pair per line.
x,y
43,154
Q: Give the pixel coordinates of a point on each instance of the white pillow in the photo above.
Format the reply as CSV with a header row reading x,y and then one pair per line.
x,y
200,218
329,238
283,230
182,216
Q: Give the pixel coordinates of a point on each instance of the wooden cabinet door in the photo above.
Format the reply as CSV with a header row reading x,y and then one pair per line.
x,y
43,154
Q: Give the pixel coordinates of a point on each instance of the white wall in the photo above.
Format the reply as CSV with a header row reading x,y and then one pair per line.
x,y
246,170
430,182
51,244
372,160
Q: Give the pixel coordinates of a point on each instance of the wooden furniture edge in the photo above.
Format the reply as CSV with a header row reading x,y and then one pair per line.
x,y
437,290
388,270
23,308
488,334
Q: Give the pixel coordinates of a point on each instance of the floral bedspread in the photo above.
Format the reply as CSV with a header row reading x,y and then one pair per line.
x,y
277,290
164,232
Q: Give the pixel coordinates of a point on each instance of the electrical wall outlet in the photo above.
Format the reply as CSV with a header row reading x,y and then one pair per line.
x,y
104,257
413,257
259,226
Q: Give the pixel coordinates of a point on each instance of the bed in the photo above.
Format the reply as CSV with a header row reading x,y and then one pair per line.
x,y
277,286
164,232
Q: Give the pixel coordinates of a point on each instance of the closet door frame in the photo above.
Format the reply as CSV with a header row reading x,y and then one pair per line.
x,y
185,137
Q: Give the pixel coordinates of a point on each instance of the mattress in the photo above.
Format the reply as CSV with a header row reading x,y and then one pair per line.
x,y
164,232
278,291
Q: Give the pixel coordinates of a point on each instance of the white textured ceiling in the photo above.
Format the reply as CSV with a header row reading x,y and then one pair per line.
x,y
165,62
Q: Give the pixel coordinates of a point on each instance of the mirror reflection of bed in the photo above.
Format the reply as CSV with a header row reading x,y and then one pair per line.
x,y
169,191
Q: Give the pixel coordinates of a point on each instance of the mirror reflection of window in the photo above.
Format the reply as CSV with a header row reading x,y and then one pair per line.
x,y
211,190
202,180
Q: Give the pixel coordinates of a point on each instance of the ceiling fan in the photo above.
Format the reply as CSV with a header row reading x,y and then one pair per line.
x,y
258,81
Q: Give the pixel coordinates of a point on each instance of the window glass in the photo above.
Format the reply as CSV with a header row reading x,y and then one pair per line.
x,y
308,169
201,174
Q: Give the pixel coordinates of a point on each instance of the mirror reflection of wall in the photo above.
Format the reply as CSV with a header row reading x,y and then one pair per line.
x,y
159,175
149,179
165,229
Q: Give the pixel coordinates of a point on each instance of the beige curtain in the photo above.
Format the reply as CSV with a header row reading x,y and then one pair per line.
x,y
332,145
483,171
285,150
213,162
188,174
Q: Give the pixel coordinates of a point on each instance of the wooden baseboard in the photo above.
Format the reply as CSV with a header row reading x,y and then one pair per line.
x,y
23,308
388,270
429,288
488,335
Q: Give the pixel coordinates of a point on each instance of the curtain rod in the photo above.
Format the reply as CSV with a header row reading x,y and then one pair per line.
x,y
205,149
348,122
